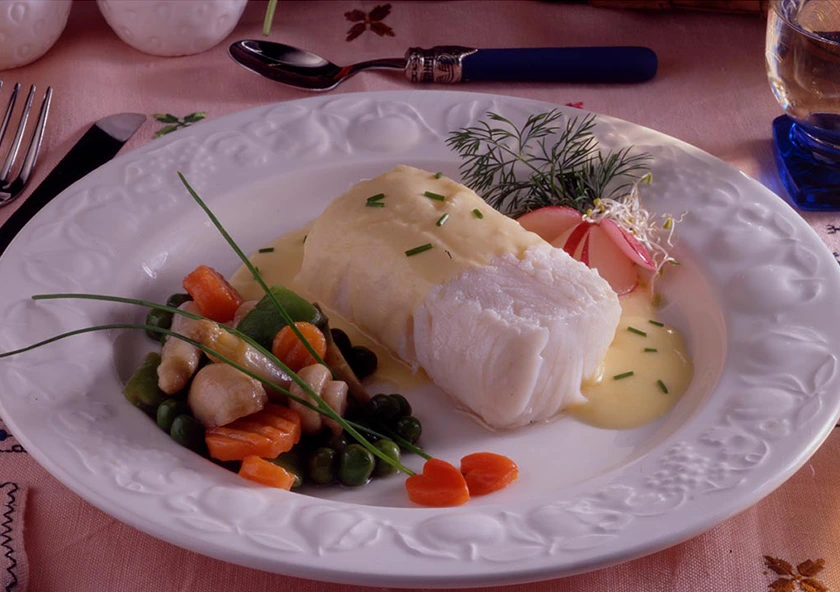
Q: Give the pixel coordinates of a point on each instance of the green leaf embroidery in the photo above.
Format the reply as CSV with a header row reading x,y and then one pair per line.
x,y
166,117
193,117
176,123
166,130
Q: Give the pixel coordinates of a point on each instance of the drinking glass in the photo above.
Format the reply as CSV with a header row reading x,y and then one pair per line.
x,y
803,66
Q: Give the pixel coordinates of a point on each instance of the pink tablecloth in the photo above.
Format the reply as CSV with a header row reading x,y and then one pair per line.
x,y
711,91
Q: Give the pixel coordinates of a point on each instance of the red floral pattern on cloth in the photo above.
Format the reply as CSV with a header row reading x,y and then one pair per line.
x,y
369,21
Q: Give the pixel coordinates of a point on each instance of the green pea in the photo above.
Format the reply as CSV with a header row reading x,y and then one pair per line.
x,y
390,449
142,388
168,410
188,432
177,300
292,461
323,465
383,408
339,442
409,428
158,318
355,465
405,406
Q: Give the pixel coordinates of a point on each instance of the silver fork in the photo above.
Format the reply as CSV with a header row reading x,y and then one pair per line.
x,y
11,188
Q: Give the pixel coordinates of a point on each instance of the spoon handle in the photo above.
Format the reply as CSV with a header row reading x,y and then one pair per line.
x,y
450,64
562,64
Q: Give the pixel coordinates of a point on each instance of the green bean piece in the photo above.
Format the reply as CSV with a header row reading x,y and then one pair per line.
x,y
168,410
188,432
409,428
142,390
177,300
292,461
405,406
389,448
158,318
323,466
355,465
264,322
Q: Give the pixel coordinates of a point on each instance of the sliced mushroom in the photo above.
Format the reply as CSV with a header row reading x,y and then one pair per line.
x,y
179,359
220,394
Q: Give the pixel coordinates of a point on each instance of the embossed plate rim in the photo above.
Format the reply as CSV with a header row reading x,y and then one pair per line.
x,y
700,475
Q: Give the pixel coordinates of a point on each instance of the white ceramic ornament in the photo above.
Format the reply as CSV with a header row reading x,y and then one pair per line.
x,y
172,27
29,28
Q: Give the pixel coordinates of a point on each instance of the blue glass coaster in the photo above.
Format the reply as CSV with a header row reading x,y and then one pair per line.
x,y
812,180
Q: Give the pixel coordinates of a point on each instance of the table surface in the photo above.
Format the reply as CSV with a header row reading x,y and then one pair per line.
x,y
710,91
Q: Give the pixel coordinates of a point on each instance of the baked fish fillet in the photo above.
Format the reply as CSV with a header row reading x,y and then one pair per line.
x,y
502,321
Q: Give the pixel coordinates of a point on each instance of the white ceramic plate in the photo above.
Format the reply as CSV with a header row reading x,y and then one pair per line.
x,y
758,298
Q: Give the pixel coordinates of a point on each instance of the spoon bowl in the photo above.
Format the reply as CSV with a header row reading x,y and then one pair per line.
x,y
298,68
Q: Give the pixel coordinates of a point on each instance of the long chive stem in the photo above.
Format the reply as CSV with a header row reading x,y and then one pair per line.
x,y
285,315
269,17
322,407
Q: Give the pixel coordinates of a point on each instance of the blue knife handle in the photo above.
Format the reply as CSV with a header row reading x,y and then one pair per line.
x,y
561,64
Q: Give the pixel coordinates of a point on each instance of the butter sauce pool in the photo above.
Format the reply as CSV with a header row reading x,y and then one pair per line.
x,y
611,403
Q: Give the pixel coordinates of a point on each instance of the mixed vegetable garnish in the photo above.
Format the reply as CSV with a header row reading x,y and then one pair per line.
x,y
269,390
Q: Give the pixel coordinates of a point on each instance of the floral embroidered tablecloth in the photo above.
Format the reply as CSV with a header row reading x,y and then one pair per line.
x,y
711,91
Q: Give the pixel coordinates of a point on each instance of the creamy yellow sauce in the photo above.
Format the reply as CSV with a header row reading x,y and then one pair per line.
x,y
638,399
611,403
280,268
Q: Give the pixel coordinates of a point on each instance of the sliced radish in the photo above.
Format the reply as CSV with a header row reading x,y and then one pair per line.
x,y
611,261
629,244
550,222
572,240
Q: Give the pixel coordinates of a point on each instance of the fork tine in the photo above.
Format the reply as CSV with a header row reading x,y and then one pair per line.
x,y
35,142
9,108
7,166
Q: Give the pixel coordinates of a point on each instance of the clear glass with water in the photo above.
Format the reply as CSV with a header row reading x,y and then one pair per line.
x,y
803,67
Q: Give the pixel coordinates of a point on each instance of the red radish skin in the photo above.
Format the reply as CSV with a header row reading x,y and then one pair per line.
x,y
629,244
611,261
575,239
550,222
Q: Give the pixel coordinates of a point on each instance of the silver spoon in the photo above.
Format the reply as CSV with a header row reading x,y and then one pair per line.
x,y
451,63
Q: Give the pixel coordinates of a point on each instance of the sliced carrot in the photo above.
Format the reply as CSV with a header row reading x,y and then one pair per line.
x,y
267,433
291,351
441,484
215,297
256,469
486,472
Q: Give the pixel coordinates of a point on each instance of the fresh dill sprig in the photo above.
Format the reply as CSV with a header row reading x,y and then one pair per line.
x,y
549,160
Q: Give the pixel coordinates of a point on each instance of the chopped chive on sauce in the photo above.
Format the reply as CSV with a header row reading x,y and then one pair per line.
x,y
304,238
448,253
651,349
438,175
662,386
657,323
623,375
477,213
442,220
418,250
376,197
266,250
434,196
637,331
375,204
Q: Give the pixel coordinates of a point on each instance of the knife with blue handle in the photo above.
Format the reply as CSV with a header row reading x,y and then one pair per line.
x,y
451,64
97,146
